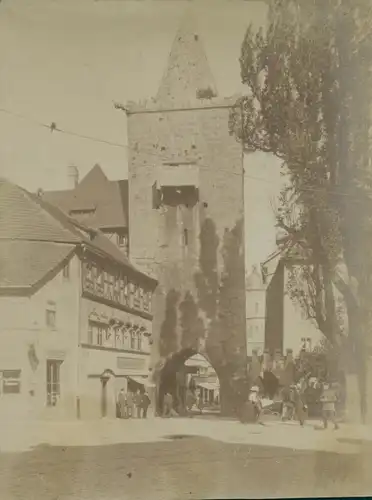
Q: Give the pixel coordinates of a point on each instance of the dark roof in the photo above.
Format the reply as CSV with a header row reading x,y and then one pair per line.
x,y
106,200
24,264
20,219
27,218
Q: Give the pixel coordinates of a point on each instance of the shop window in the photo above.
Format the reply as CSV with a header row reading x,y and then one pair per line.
x,y
53,381
10,381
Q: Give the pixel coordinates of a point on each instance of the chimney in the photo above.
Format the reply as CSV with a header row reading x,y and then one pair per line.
x,y
73,176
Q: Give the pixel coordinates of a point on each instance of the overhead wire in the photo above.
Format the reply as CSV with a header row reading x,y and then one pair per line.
x,y
53,127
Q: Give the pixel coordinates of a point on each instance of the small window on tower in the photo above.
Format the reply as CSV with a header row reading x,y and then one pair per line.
x,y
122,240
185,237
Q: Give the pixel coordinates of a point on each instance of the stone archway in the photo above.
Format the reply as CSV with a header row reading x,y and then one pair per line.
x,y
174,378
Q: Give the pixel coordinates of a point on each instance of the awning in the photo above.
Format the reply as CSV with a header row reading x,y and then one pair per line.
x,y
142,381
208,385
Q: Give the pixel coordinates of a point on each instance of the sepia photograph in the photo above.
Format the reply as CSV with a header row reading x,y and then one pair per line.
x,y
185,238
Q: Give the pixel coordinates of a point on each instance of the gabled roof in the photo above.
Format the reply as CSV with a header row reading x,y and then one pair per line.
x,y
187,70
21,219
254,280
23,264
105,200
26,218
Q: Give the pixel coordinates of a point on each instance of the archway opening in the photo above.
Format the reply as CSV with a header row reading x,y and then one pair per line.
x,y
192,382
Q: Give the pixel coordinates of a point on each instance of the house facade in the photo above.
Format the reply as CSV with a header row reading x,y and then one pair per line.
x,y
75,315
97,202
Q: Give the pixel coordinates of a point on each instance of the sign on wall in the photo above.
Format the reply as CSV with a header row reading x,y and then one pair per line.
x,y
125,363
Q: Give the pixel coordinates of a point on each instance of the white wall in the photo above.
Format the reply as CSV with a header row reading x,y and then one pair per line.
x,y
22,324
296,325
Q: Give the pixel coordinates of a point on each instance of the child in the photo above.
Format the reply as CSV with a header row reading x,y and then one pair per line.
x,y
328,400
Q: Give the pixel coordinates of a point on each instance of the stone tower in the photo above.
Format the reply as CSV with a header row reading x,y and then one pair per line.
x,y
186,215
255,312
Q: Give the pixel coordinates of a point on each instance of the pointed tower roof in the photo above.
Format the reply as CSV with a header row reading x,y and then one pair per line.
x,y
188,70
254,280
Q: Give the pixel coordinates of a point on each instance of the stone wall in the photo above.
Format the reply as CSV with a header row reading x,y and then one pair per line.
x,y
190,276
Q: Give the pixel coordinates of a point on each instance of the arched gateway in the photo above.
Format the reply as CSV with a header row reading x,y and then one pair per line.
x,y
186,212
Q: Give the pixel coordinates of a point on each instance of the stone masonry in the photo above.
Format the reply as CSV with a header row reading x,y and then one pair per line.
x,y
186,214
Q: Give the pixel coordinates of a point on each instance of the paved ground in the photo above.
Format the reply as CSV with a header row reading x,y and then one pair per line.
x,y
186,459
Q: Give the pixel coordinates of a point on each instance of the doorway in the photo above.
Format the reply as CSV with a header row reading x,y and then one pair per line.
x,y
104,381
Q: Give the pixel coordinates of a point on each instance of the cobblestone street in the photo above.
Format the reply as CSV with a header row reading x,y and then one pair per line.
x,y
209,460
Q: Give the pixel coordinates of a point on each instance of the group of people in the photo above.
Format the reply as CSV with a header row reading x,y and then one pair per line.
x,y
192,399
294,403
133,404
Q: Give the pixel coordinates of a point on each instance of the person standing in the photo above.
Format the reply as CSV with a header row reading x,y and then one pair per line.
x,y
200,402
137,400
145,403
122,404
299,405
255,401
328,400
167,405
130,405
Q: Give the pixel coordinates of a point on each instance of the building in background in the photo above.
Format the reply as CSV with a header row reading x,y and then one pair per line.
x,y
97,202
255,312
75,314
203,377
286,326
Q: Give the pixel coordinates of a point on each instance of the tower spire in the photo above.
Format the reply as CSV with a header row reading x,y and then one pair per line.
x,y
187,71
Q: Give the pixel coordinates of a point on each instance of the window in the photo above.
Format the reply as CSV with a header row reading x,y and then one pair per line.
x,y
90,333
51,314
185,237
122,240
66,271
117,336
11,381
53,381
100,336
125,338
145,301
133,341
136,296
125,290
256,307
139,341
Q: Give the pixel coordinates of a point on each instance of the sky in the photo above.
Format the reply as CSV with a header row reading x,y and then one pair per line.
x,y
68,61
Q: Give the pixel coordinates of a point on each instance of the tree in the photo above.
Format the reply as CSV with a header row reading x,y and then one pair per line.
x,y
309,79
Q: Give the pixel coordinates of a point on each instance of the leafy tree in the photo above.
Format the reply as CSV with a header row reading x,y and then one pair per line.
x,y
309,79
